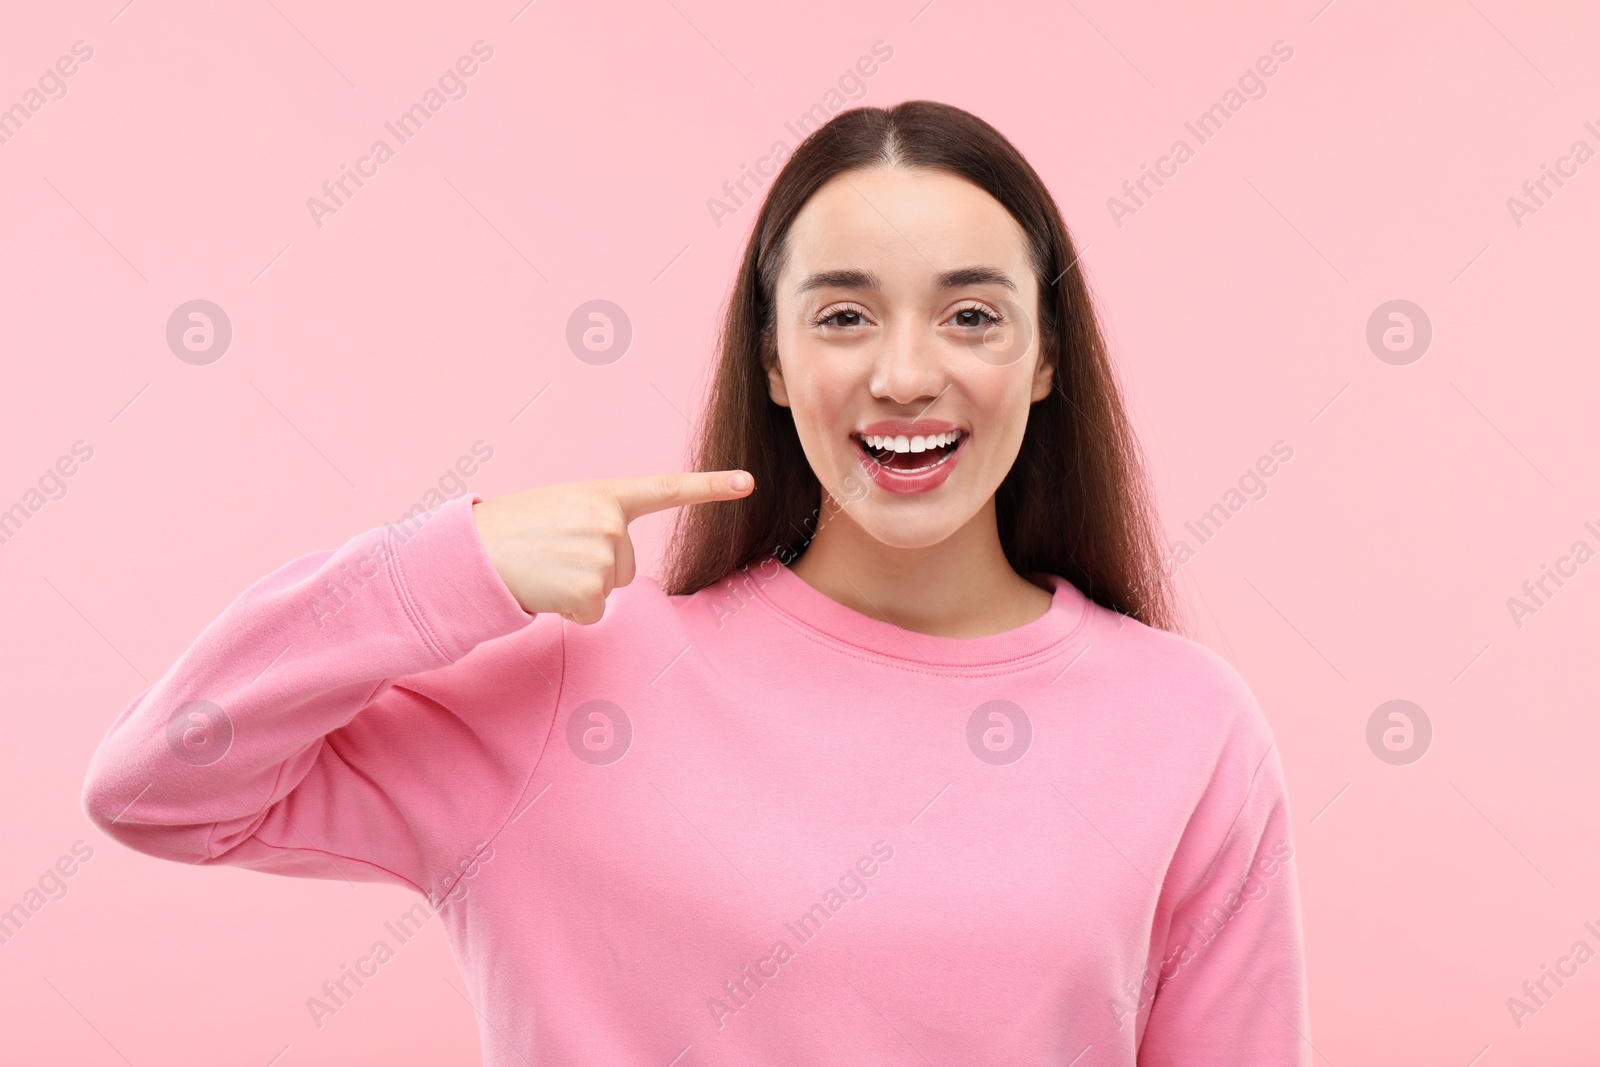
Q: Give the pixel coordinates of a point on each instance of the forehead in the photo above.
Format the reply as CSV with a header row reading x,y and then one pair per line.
x,y
905,226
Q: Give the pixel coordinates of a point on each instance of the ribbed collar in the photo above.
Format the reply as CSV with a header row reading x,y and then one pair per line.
x,y
1063,626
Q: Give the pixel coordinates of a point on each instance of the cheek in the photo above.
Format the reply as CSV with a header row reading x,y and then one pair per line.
x,y
1005,408
820,399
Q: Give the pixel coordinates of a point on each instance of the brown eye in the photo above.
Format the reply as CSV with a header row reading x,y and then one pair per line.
x,y
967,317
827,320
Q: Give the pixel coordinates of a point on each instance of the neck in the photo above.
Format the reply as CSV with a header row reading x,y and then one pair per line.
x,y
961,587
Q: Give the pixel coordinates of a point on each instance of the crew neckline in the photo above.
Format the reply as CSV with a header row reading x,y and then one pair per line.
x,y
1063,625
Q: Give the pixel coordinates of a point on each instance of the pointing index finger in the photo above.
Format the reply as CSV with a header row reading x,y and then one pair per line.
x,y
657,492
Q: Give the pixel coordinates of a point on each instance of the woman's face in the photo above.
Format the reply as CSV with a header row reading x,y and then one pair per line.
x,y
895,320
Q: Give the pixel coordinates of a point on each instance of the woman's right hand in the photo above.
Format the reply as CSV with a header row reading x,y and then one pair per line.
x,y
563,548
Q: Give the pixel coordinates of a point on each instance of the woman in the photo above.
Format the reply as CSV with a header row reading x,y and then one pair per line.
x,y
899,764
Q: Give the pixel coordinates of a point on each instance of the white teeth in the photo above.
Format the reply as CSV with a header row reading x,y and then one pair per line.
x,y
921,443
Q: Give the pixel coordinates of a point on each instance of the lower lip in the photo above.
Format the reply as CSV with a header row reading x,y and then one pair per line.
x,y
897,481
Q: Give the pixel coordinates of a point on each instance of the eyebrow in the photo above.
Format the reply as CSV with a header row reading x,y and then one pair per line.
x,y
852,278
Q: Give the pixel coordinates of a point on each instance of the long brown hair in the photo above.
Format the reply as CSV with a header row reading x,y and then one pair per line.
x,y
1075,503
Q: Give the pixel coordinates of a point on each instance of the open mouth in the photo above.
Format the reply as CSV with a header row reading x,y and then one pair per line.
x,y
910,455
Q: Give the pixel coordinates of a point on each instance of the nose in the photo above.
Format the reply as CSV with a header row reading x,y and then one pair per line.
x,y
908,367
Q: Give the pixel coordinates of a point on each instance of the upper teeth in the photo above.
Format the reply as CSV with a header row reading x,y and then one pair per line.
x,y
911,444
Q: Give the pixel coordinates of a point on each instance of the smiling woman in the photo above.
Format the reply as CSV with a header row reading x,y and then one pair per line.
x,y
914,598
910,274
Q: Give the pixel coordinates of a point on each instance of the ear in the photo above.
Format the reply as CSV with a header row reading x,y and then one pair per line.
x,y
1043,376
775,386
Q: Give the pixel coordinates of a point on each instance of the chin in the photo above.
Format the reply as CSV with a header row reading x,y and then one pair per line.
x,y
923,526
903,542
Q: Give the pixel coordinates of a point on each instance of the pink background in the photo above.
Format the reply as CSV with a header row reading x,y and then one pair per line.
x,y
370,353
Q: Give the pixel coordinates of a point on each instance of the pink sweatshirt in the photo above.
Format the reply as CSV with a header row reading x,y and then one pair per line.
x,y
747,826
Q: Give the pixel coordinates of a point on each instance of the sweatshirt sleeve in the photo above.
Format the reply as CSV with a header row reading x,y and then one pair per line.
x,y
370,713
1232,987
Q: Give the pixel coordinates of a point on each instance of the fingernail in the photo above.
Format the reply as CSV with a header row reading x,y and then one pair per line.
x,y
740,481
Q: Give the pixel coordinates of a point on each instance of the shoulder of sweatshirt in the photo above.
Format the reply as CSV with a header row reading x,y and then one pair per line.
x,y
1178,686
641,624
1199,735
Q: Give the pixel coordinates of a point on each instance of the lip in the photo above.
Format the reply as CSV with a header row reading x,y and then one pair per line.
x,y
896,481
908,427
